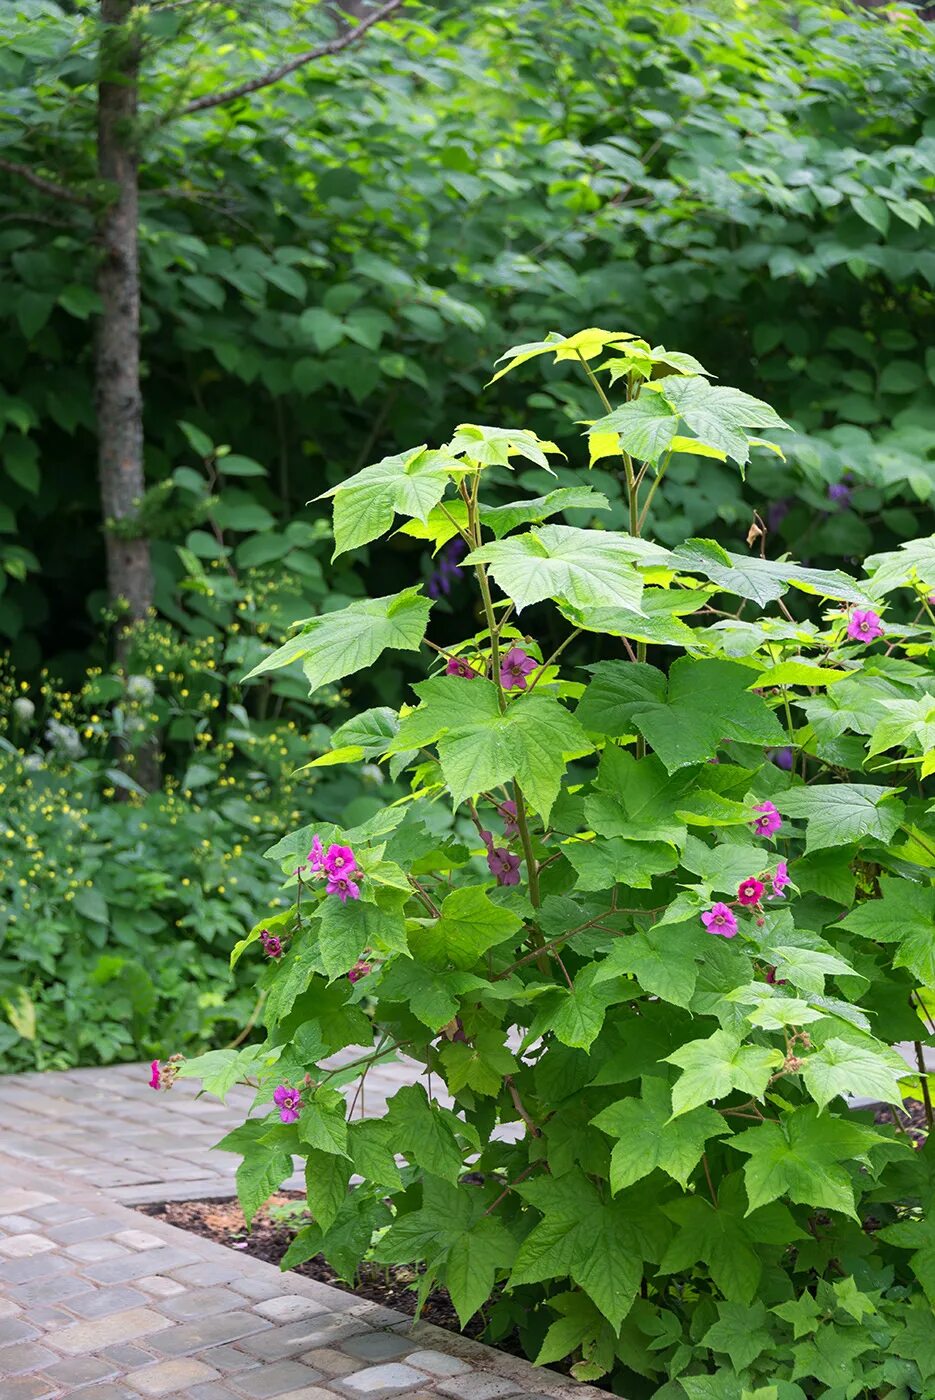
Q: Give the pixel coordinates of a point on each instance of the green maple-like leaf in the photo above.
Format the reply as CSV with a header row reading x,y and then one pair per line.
x,y
800,1157
345,930
340,643
502,519
409,483
645,426
706,703
713,1068
469,925
840,1068
493,447
741,1331
718,414
479,1065
649,1137
584,345
763,580
582,568
663,960
837,814
904,914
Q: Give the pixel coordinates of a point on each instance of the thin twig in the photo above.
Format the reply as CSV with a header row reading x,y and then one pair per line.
x,y
275,75
50,187
518,1105
923,1080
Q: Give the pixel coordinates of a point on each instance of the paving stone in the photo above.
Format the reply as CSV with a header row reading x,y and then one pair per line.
x,y
27,1388
378,1380
158,1286
14,1199
88,1227
58,1212
80,1370
49,1319
171,1377
478,1386
259,1289
302,1336
201,1302
138,1239
50,1290
308,1392
16,1330
329,1361
101,1302
207,1332
39,1266
8,1308
134,1266
127,1356
25,1245
25,1356
107,1391
275,1380
119,1327
437,1363
93,1251
204,1273
289,1307
16,1224
214,1390
377,1346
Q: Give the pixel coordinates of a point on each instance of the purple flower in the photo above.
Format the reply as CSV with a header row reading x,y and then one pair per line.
x,y
776,513
272,945
457,666
448,569
840,493
515,667
783,758
359,970
504,865
769,820
154,1075
751,891
316,856
864,626
772,980
780,878
340,860
507,811
719,919
343,886
288,1102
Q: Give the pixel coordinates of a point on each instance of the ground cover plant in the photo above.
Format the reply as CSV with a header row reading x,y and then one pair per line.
x,y
655,904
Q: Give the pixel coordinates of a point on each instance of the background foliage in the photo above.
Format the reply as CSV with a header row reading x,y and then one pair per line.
x,y
330,265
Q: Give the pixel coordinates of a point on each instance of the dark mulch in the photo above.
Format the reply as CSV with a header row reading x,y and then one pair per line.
x,y
393,1285
910,1118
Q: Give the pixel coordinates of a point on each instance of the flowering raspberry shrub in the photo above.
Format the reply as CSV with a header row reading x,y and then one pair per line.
x,y
646,967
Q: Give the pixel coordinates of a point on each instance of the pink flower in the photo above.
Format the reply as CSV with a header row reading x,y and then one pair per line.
x,y
504,865
457,666
343,886
288,1102
507,811
719,919
339,860
864,626
769,821
359,970
780,878
316,856
515,667
773,980
154,1075
750,892
272,946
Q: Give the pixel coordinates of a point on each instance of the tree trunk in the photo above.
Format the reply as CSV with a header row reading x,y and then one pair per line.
x,y
119,401
117,368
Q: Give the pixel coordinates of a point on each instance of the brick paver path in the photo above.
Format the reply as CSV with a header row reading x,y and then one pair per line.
x,y
99,1302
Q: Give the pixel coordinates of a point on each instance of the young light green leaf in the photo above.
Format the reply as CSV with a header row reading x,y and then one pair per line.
x,y
713,1068
647,1136
582,568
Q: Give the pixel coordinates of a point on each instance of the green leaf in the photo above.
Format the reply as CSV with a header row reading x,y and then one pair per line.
x,y
469,925
649,1137
838,814
422,1133
472,1264
583,568
323,1123
763,580
664,962
583,345
645,426
345,930
326,1182
502,519
718,414
707,702
338,644
741,1331
800,1157
873,210
581,1009
409,483
493,447
480,1065
262,1171
713,1068
845,1069
220,1070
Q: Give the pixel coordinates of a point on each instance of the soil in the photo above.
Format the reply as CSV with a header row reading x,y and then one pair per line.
x,y
392,1285
911,1118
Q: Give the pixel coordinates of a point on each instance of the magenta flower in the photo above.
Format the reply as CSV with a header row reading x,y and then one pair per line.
x,y
773,980
769,820
780,878
340,860
288,1102
515,667
457,666
272,946
507,811
864,626
343,886
316,856
154,1075
359,970
504,865
750,892
719,919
